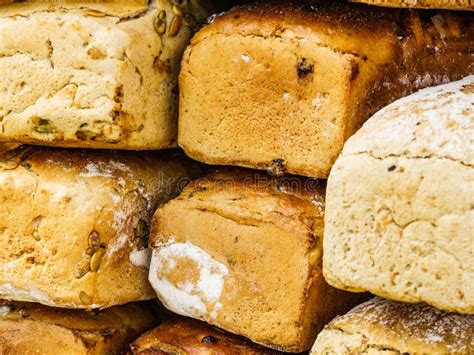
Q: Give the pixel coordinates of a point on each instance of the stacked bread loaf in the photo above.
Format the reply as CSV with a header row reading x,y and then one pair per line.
x,y
358,123
75,222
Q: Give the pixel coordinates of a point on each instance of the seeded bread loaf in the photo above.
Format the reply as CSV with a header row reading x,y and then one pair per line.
x,y
424,4
29,328
285,84
385,327
74,224
188,336
243,252
400,202
94,74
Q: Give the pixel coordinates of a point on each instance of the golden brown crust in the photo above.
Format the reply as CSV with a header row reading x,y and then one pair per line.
x,y
76,223
4,147
122,9
255,242
93,74
189,336
292,82
298,198
329,23
349,28
33,328
467,5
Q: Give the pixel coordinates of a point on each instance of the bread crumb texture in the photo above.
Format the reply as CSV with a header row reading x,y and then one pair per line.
x,y
92,74
387,327
399,217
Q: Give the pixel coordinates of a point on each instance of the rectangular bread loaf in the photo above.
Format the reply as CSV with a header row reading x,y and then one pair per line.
x,y
29,328
187,336
243,252
74,224
98,74
286,84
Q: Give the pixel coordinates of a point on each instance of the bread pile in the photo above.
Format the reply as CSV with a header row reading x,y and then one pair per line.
x,y
329,205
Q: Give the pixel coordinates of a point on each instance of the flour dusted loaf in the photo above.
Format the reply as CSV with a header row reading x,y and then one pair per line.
x,y
386,327
189,336
400,198
94,74
243,252
74,224
424,4
28,328
284,84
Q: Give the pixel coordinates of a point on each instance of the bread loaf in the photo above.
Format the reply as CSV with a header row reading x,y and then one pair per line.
x,y
95,74
243,252
28,328
385,327
74,224
424,4
284,84
188,336
399,216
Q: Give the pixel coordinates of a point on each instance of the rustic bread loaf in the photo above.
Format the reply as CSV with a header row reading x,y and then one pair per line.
x,y
188,336
243,252
399,215
386,327
74,224
95,74
286,84
29,328
424,4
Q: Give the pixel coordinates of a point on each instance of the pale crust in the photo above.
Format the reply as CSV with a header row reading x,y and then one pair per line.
x,y
62,209
386,327
91,74
400,218
243,251
289,82
423,4
28,328
189,336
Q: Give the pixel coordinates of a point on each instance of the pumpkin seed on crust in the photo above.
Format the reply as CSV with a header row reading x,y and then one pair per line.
x,y
191,20
43,125
160,25
94,13
82,268
97,259
177,10
175,26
